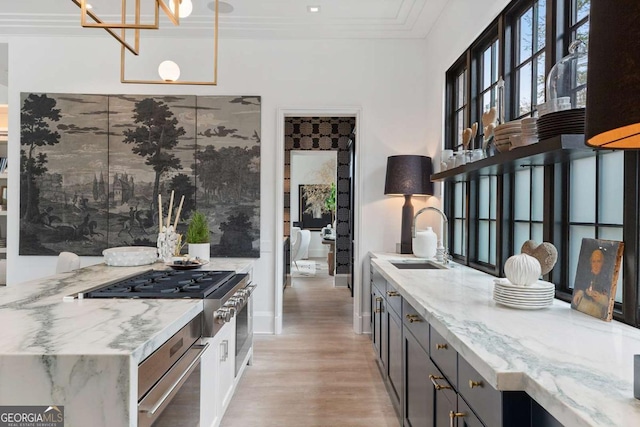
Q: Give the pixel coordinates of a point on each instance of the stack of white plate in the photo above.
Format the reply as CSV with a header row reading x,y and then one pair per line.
x,y
533,297
503,133
529,131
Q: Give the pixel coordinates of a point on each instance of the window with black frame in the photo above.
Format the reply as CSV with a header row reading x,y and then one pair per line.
x,y
528,25
529,28
483,212
495,215
596,200
458,85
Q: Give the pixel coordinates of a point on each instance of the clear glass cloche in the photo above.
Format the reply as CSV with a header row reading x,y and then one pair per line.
x,y
567,80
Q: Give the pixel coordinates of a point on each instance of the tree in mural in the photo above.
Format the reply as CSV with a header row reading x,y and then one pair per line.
x,y
229,173
235,235
182,186
154,138
36,111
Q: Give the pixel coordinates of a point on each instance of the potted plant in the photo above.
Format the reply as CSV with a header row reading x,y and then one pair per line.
x,y
198,236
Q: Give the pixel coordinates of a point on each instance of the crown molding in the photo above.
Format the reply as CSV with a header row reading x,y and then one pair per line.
x,y
404,23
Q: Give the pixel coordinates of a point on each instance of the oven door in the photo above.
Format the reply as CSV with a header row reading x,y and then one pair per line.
x,y
175,399
244,330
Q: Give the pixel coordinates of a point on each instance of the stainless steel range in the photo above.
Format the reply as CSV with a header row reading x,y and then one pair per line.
x,y
223,292
169,380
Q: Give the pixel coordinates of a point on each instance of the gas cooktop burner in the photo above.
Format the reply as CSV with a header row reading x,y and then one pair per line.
x,y
166,284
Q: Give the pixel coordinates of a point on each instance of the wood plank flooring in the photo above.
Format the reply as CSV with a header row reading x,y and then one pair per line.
x,y
318,372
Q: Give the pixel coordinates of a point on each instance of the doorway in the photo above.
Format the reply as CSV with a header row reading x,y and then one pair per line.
x,y
324,130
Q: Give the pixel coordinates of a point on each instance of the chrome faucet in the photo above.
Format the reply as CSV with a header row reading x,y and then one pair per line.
x,y
445,226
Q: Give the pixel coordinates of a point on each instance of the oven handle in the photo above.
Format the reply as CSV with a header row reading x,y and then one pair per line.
x,y
174,388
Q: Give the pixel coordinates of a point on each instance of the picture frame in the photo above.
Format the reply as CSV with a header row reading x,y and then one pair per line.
x,y
307,219
596,278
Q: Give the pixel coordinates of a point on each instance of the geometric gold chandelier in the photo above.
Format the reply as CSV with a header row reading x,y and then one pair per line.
x,y
131,21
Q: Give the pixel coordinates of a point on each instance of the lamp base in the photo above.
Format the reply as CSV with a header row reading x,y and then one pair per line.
x,y
406,246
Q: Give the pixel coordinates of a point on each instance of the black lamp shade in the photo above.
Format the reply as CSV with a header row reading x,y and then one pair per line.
x,y
408,175
613,79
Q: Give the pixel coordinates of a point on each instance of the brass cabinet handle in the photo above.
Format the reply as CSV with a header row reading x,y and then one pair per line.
x,y
434,379
473,384
378,310
393,294
378,299
413,318
454,415
441,346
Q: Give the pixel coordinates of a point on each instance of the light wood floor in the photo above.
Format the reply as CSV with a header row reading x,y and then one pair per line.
x,y
318,372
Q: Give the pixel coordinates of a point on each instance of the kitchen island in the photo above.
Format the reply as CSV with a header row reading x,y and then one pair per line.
x,y
83,354
578,368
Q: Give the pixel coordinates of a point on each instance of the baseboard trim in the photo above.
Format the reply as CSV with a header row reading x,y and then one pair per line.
x,y
263,323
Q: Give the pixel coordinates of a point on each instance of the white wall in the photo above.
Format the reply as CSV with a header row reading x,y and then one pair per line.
x,y
305,166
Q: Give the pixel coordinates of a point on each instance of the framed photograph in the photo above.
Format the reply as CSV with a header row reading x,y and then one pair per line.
x,y
594,290
312,213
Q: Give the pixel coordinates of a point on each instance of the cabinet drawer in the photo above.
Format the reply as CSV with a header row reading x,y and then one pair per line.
x,y
378,281
445,356
485,400
394,300
416,324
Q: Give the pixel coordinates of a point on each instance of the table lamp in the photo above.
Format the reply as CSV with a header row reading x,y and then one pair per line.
x,y
613,82
408,176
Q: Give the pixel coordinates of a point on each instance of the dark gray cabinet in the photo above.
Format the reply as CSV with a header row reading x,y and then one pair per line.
x,y
464,416
386,332
377,314
394,337
429,383
418,406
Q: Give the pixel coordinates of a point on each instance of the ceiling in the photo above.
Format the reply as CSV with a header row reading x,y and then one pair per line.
x,y
280,19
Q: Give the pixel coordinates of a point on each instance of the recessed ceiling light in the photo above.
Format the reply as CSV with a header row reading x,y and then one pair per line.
x,y
313,9
89,6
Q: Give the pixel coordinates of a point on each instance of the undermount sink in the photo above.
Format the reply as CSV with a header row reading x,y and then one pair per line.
x,y
418,265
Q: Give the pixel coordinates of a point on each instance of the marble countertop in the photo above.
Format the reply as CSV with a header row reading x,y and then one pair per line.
x,y
579,368
83,354
42,323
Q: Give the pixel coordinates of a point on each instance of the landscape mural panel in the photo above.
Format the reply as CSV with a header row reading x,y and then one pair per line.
x,y
63,152
228,172
92,167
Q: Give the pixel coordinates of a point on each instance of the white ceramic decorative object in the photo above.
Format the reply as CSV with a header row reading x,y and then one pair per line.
x,y
167,243
522,269
199,250
425,243
129,256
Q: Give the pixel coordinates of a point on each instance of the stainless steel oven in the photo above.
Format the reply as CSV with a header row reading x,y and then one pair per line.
x,y
169,381
244,325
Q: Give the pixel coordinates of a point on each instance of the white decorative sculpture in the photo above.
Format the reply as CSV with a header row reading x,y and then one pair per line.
x,y
167,243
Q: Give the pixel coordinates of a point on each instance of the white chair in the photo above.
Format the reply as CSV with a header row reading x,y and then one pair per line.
x,y
67,261
300,244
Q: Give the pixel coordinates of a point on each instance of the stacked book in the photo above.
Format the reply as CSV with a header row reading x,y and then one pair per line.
x,y
3,164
